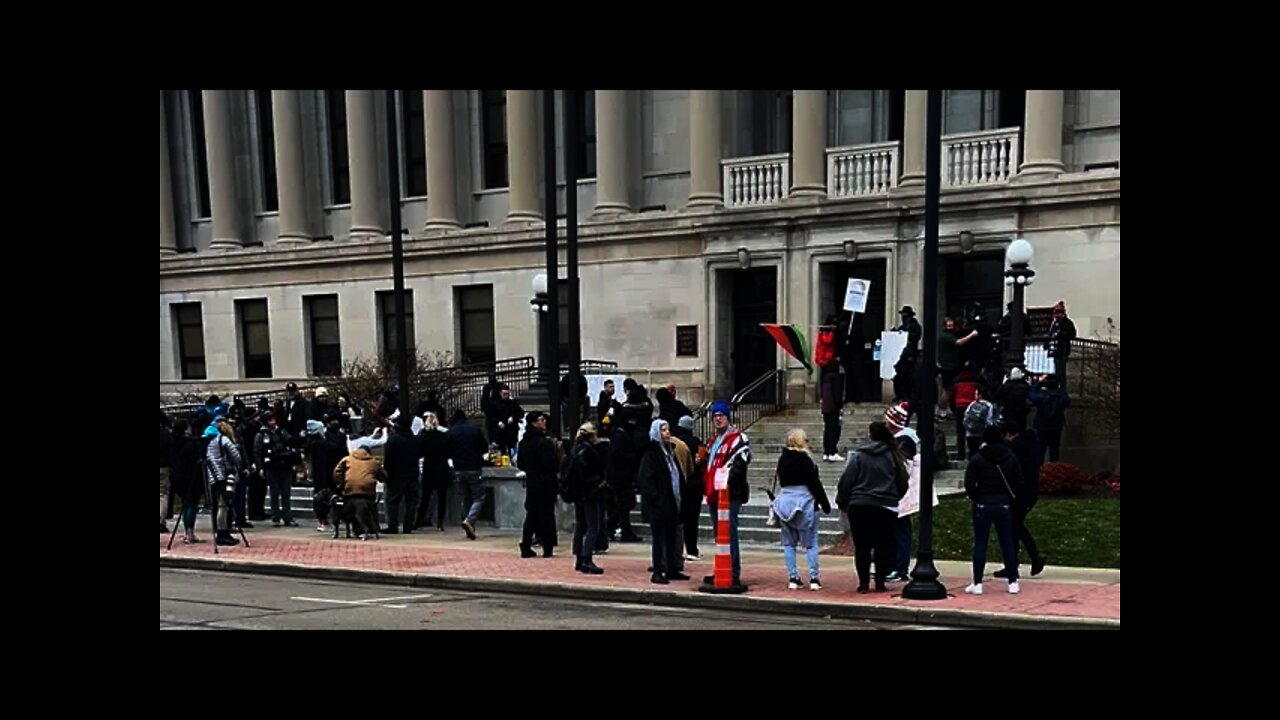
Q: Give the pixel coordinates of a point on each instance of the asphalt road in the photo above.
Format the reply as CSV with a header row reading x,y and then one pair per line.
x,y
201,600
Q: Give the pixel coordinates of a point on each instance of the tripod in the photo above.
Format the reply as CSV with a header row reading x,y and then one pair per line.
x,y
213,510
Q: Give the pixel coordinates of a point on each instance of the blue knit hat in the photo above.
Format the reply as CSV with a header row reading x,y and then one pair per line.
x,y
720,406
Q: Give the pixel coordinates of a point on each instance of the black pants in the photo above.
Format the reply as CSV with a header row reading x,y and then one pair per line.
x,y
588,517
1020,532
830,432
1051,441
872,528
408,492
960,436
624,503
257,496
1060,365
690,513
363,509
540,516
973,442
442,496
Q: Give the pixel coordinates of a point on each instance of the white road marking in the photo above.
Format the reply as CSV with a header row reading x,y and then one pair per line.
x,y
381,602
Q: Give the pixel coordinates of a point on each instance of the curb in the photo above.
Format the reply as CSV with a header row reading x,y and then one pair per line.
x,y
843,611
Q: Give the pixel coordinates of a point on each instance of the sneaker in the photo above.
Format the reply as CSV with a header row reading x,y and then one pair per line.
x,y
974,589
1014,588
321,528
837,458
1037,565
826,458
896,576
658,579
191,540
815,585
795,584
687,557
469,529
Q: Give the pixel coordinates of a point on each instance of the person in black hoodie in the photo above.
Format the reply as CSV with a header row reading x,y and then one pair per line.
x,y
802,494
321,490
186,480
1061,332
660,480
256,486
993,481
1051,402
466,449
586,472
1026,448
502,421
436,474
874,480
630,436
403,450
1011,398
669,408
537,458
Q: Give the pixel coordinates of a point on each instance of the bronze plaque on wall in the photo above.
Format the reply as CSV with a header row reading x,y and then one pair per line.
x,y
686,341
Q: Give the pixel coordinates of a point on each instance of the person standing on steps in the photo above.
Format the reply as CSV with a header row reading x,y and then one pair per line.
x,y
831,389
730,449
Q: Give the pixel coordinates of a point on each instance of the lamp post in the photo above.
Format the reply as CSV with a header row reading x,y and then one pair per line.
x,y
539,305
1018,274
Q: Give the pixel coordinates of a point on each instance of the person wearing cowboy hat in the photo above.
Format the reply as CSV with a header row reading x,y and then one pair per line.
x,y
911,326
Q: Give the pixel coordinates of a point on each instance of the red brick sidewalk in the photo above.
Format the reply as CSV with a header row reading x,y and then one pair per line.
x,y
1060,592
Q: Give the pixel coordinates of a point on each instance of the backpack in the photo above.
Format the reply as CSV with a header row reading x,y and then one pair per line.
x,y
571,477
977,417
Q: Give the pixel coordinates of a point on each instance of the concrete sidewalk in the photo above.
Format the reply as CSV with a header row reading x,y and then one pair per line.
x,y
1058,598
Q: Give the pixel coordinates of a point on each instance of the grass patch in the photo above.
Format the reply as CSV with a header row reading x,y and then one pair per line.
x,y
1073,532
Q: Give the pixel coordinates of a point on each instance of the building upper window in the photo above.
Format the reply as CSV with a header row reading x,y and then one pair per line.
x,y
189,322
195,103
387,313
413,151
770,122
586,139
860,117
255,338
340,189
267,150
475,324
493,129
974,110
326,345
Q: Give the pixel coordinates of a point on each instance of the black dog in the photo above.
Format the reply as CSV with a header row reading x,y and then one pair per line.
x,y
357,510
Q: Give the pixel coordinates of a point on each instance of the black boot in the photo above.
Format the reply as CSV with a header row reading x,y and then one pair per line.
x,y
526,551
547,549
590,568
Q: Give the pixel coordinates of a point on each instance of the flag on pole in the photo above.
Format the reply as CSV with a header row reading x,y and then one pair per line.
x,y
792,339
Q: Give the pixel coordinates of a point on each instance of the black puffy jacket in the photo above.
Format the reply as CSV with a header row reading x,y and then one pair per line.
x,y
993,476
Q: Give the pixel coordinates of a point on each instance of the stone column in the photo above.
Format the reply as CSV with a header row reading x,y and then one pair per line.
x,y
362,145
704,149
222,171
612,166
291,182
1043,128
522,156
913,117
168,234
809,143
442,196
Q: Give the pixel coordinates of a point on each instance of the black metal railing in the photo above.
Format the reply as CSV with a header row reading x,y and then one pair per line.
x,y
1093,367
762,395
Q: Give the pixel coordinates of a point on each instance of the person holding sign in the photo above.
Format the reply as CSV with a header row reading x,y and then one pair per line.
x,y
909,443
730,450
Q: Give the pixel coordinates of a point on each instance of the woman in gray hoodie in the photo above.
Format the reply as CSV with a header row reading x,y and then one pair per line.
x,y
874,480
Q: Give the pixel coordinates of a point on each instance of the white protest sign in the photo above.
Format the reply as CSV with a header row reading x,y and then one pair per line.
x,y
855,296
722,478
910,503
891,346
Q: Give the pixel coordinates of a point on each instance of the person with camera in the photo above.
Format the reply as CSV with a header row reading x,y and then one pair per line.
x,y
223,465
273,449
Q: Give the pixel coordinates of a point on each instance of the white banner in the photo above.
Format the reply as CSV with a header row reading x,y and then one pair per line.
x,y
910,503
1038,360
855,295
891,347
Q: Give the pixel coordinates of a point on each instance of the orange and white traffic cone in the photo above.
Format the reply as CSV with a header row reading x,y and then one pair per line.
x,y
723,574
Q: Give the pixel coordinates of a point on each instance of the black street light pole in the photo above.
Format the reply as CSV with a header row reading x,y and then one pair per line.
x,y
397,255
572,126
924,583
1019,275
552,315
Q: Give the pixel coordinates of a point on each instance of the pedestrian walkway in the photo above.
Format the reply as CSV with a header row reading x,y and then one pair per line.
x,y
1059,597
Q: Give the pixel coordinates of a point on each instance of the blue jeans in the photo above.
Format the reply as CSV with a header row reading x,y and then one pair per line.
x,y
664,548
734,507
902,533
588,518
983,517
789,553
473,493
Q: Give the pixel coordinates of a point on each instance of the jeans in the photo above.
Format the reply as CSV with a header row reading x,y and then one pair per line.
x,y
189,516
1020,531
830,432
586,528
734,507
280,481
472,493
902,536
811,556
983,517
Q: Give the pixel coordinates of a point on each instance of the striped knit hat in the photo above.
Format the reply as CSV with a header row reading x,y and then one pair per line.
x,y
896,417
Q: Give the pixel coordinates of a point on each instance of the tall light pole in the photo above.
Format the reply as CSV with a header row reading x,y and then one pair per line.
x,y
397,255
924,583
572,126
1019,274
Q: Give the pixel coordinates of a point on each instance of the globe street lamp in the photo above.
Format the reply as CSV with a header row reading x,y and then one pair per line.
x,y
1019,274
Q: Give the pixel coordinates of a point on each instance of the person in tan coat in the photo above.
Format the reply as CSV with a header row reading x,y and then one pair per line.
x,y
358,476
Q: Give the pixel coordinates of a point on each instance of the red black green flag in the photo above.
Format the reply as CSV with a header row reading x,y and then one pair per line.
x,y
791,338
